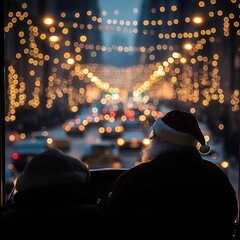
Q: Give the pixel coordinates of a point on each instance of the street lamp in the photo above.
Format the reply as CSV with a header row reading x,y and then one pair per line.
x,y
48,21
197,19
188,46
54,38
70,61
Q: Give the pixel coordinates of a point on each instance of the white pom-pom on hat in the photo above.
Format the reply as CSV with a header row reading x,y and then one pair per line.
x,y
204,149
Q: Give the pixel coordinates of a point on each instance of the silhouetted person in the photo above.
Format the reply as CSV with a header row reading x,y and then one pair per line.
x,y
174,193
49,195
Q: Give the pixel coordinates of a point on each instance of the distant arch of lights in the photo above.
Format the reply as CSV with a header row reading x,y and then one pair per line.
x,y
162,75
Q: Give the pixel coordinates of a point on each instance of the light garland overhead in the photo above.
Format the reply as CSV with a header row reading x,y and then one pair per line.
x,y
186,76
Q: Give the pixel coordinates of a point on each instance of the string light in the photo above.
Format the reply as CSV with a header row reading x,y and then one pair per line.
x,y
173,74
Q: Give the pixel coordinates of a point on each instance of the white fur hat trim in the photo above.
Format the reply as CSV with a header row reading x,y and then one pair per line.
x,y
170,135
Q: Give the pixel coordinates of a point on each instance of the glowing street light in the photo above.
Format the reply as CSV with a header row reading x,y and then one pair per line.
x,y
70,61
197,20
48,21
188,46
54,38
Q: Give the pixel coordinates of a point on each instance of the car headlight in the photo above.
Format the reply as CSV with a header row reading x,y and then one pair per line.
x,y
224,164
49,141
120,142
146,141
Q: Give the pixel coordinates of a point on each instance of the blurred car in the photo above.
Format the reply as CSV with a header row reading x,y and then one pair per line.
x,y
130,124
216,156
133,139
59,139
54,139
74,128
15,136
101,155
110,130
23,152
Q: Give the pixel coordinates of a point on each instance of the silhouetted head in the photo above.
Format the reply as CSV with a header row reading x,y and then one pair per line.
x,y
52,167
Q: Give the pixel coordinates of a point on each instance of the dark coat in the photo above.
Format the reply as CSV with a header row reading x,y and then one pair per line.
x,y
58,208
178,192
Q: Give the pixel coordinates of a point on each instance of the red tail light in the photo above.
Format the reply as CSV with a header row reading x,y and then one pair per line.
x,y
12,138
116,159
15,156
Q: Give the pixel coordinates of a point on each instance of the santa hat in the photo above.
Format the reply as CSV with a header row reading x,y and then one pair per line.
x,y
180,128
52,167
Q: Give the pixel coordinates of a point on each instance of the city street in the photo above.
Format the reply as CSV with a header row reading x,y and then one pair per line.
x,y
115,84
128,158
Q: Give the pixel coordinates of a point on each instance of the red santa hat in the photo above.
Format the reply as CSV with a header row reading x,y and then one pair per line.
x,y
180,128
